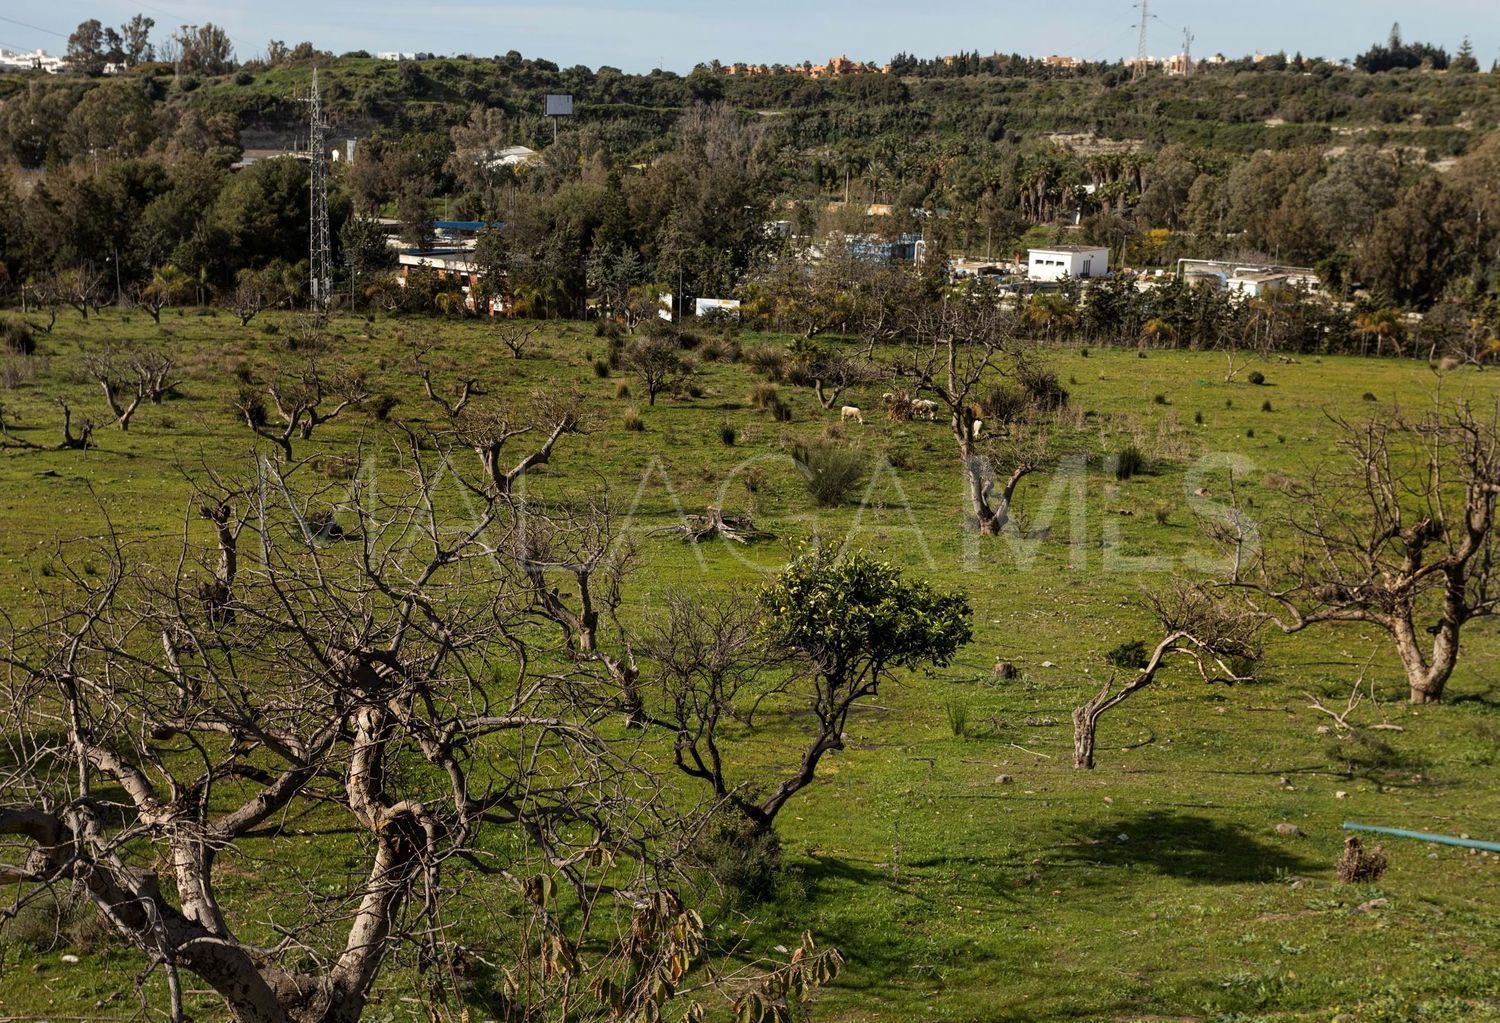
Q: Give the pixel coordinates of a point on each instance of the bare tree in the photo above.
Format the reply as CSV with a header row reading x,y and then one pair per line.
x,y
711,668
659,363
1196,625
488,429
468,387
129,376
69,441
963,347
518,337
384,684
564,546
302,401
833,372
81,288
1401,538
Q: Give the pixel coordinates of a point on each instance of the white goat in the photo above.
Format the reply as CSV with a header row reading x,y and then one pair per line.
x,y
849,412
925,408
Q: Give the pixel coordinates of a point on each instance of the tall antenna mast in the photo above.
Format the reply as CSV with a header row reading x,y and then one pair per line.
x,y
1141,51
1187,50
321,277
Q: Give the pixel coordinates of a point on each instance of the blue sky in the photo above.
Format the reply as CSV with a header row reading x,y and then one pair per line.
x,y
641,34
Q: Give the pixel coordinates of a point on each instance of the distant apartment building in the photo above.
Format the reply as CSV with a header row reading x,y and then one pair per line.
x,y
35,60
1057,60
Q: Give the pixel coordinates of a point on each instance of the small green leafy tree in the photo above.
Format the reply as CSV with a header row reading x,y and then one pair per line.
x,y
850,623
829,630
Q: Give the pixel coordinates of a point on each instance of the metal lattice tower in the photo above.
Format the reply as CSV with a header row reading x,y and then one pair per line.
x,y
1187,51
1141,52
320,278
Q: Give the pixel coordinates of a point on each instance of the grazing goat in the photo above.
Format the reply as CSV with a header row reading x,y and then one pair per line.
x,y
849,412
925,408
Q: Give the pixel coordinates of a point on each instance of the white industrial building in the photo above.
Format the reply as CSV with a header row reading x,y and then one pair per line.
x,y
1075,261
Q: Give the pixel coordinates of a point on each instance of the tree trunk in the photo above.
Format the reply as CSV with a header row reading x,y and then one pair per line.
x,y
1426,678
1085,727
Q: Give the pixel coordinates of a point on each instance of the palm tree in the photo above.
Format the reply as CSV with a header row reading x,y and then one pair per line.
x,y
1383,326
167,286
1050,313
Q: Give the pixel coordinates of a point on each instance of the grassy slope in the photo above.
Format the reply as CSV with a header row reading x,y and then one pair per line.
x,y
953,896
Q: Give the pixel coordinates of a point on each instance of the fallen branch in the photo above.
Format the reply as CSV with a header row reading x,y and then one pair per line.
x,y
696,528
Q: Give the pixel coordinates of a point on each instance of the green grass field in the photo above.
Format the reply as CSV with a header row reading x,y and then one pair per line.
x,y
1153,888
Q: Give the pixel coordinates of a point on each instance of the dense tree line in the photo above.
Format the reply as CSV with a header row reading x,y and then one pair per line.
x,y
668,180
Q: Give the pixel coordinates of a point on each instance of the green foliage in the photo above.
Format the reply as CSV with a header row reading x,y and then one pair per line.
x,y
1129,462
740,858
958,718
832,471
854,617
16,336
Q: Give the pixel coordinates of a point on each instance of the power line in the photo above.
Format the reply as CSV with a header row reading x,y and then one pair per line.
x,y
34,28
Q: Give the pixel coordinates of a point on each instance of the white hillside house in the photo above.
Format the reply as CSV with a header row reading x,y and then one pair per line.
x,y
1076,261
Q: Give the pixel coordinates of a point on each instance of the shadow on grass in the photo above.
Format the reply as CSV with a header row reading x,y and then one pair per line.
x,y
1186,846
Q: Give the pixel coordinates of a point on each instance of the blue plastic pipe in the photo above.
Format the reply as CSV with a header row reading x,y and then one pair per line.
x,y
1423,836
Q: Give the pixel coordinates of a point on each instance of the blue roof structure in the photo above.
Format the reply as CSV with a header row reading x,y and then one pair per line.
x,y
463,225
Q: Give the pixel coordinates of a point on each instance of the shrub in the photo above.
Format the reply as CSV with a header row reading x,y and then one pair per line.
x,y
1369,396
383,405
726,434
622,389
1129,462
781,411
1265,406
768,362
601,368
1250,432
1163,516
1128,656
1198,418
694,391
1084,352
16,370
763,396
16,336
1041,385
832,471
1257,378
745,861
720,349
1160,399
633,420
958,718
1356,866
1004,405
